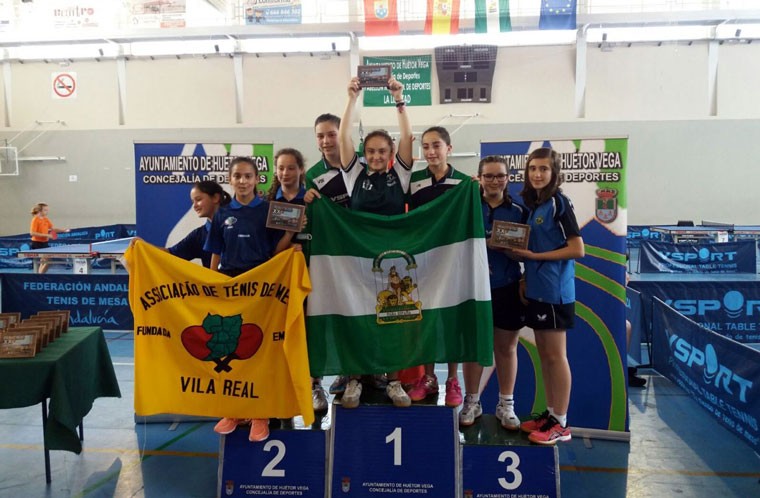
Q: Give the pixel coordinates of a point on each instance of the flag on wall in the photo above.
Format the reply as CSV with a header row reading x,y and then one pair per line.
x,y
380,17
442,17
392,292
492,16
210,345
557,14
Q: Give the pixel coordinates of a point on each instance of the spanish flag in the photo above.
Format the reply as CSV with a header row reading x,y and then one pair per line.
x,y
211,345
442,17
380,18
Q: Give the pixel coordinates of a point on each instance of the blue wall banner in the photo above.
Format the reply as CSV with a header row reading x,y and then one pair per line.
x,y
732,309
593,173
633,313
92,299
637,233
720,374
165,173
725,257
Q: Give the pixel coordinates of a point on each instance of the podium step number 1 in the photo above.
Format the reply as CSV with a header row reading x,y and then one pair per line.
x,y
383,451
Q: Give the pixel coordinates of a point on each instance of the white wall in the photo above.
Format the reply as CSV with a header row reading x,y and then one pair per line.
x,y
684,163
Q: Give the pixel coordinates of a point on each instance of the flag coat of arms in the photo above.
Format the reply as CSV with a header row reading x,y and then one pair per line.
x,y
210,345
442,17
380,18
492,16
392,292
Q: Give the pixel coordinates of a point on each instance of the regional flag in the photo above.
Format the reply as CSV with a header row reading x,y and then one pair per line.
x,y
210,345
557,14
380,18
392,292
442,17
492,16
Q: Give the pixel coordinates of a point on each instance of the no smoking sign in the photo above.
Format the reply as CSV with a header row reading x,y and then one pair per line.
x,y
64,85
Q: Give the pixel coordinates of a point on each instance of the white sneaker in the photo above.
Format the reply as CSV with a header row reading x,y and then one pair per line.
x,y
397,394
505,412
352,394
470,411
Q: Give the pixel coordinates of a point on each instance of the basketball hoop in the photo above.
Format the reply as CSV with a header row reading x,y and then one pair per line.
x,y
8,161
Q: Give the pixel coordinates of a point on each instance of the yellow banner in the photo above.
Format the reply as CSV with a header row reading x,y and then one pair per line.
x,y
211,345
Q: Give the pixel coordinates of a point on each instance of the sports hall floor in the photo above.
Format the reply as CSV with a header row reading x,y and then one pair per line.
x,y
675,450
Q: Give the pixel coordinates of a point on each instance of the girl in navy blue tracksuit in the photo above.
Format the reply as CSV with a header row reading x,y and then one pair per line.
x,y
207,196
507,309
240,241
555,243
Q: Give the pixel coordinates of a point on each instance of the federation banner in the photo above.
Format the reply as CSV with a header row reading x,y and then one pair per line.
x,y
720,374
635,317
391,292
210,345
725,257
593,173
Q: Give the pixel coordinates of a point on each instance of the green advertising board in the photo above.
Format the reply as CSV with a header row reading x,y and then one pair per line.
x,y
411,70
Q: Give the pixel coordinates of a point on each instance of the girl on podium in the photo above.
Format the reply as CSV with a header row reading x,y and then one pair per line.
x,y
507,309
376,187
555,243
241,245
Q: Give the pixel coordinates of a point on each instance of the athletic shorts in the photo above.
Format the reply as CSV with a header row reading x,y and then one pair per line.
x,y
547,316
508,310
39,245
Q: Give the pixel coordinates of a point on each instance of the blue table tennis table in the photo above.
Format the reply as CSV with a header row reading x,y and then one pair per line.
x,y
706,233
81,255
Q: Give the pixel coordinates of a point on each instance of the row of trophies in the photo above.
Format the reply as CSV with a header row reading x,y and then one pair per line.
x,y
25,338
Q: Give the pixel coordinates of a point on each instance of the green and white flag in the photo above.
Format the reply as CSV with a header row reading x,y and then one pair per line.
x,y
391,292
492,16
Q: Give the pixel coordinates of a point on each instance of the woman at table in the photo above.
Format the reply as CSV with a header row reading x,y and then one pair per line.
x,y
42,230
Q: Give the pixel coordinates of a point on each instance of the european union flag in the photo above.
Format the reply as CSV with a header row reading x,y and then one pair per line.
x,y
557,14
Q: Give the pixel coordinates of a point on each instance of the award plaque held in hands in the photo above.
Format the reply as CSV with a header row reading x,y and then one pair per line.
x,y
508,235
374,76
285,216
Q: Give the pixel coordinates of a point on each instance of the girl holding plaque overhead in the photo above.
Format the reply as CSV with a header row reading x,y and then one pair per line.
x,y
555,242
376,188
507,309
42,230
239,241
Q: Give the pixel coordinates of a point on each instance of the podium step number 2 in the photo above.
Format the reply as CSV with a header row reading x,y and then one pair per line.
x,y
382,451
289,463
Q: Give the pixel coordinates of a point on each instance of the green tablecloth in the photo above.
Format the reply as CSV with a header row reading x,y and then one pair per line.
x,y
72,371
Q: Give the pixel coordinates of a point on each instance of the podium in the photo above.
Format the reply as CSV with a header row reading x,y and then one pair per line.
x,y
378,450
291,462
505,464
382,450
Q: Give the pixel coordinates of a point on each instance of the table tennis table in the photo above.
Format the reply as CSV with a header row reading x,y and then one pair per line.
x,y
80,254
707,233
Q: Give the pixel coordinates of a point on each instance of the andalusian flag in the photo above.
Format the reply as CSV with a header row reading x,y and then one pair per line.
x,y
442,17
211,345
380,18
492,16
392,292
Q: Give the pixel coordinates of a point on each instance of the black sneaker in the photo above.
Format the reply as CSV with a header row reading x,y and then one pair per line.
x,y
634,380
